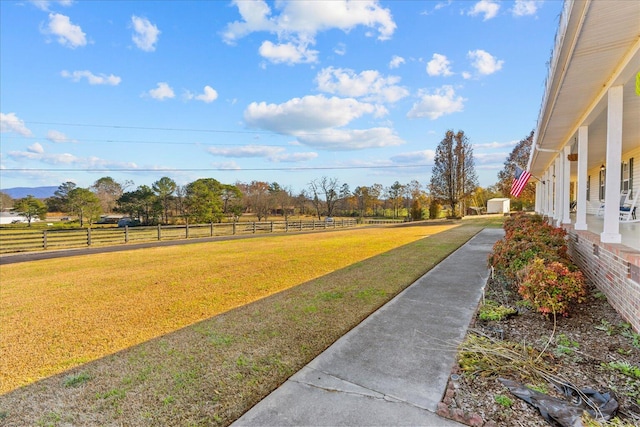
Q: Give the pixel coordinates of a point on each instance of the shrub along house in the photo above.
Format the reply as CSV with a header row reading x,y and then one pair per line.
x,y
586,151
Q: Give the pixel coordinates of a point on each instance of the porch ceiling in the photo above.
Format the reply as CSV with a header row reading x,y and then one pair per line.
x,y
600,49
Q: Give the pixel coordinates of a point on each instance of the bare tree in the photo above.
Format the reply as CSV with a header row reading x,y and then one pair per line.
x,y
108,191
257,198
453,176
6,201
327,187
302,201
282,199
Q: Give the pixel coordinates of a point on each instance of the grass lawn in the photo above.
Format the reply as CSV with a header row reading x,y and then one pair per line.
x,y
195,334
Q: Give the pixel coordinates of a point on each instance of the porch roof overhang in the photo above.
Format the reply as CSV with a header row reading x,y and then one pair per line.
x,y
597,47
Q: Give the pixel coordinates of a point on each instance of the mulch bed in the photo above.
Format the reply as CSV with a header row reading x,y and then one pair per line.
x,y
580,350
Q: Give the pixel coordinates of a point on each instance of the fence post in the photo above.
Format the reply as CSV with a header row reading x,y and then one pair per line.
x,y
211,232
254,227
44,239
159,232
234,227
88,237
186,230
314,224
126,234
300,224
272,226
286,226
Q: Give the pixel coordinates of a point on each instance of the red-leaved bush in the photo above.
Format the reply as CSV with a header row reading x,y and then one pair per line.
x,y
532,257
551,287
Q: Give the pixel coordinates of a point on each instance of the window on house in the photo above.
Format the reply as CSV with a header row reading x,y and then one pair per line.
x,y
631,176
601,184
624,177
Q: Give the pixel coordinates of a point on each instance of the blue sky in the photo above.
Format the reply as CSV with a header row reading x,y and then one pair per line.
x,y
285,91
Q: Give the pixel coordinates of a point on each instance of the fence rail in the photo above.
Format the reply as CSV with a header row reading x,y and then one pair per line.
x,y
12,240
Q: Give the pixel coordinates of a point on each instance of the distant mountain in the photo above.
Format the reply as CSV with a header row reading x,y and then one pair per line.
x,y
37,192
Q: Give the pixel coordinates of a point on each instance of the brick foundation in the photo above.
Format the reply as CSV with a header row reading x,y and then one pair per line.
x,y
613,268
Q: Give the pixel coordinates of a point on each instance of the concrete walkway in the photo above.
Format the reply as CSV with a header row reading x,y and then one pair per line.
x,y
392,369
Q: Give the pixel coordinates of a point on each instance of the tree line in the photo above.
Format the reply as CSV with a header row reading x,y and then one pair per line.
x,y
453,186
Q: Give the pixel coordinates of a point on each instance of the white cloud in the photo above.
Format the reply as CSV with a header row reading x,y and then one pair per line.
x,y
69,35
351,139
466,75
294,157
489,8
309,18
273,154
255,17
484,62
414,157
313,121
93,79
208,96
162,92
145,34
526,7
340,49
434,105
58,137
297,23
369,84
226,165
44,4
246,151
496,144
439,66
36,148
11,123
489,158
442,5
307,114
288,53
36,153
396,61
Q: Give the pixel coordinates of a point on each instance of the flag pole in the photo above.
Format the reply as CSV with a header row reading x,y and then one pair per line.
x,y
533,176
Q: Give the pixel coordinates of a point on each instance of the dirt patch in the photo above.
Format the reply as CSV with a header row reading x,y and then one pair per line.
x,y
591,348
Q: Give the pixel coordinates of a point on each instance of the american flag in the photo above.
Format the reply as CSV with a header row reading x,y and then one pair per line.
x,y
519,182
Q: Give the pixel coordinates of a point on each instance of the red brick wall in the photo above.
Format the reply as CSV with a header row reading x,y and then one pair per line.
x,y
613,268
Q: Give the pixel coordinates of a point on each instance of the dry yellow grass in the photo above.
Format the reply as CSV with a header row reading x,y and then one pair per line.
x,y
57,314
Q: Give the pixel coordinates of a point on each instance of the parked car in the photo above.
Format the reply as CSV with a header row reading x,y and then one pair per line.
x,y
128,222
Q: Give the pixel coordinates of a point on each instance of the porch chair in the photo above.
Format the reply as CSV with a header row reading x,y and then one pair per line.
x,y
624,200
628,210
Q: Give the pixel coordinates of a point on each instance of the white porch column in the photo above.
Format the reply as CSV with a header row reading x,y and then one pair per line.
x,y
581,191
545,193
566,184
611,228
557,188
550,185
538,207
545,205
